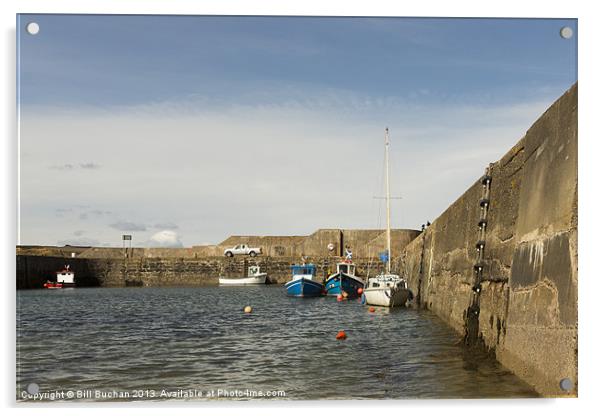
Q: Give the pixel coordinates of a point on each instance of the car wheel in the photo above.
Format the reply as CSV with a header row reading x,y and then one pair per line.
x,y
229,254
252,254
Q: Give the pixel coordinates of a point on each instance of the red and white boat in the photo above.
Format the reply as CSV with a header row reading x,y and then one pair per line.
x,y
64,278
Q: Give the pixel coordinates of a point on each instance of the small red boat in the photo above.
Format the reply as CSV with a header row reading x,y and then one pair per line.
x,y
53,285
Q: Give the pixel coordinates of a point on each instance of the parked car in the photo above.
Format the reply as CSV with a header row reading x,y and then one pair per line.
x,y
242,249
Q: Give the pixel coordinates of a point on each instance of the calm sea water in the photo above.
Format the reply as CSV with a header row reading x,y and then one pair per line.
x,y
159,343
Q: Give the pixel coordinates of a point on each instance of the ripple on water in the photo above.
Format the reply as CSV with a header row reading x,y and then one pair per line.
x,y
199,338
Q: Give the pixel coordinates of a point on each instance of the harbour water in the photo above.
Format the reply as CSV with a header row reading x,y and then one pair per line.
x,y
157,341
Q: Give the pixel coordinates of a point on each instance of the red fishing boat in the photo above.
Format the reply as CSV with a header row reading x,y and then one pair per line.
x,y
64,278
53,285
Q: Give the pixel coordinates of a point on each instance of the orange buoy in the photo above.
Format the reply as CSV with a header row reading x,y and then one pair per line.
x,y
372,309
341,335
339,297
360,291
248,309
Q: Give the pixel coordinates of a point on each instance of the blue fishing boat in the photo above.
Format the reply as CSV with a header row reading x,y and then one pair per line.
x,y
304,282
344,281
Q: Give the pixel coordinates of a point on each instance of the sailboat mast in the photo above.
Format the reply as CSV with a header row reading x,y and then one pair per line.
x,y
388,200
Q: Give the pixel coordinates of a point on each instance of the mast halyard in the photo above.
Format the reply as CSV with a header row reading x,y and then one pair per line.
x,y
388,200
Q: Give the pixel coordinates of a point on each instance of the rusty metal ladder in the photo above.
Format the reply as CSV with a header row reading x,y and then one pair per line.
x,y
473,311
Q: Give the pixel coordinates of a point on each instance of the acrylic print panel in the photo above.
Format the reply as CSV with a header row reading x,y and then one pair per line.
x,y
270,208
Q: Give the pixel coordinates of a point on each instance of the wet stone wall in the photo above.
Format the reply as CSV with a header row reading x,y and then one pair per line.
x,y
518,295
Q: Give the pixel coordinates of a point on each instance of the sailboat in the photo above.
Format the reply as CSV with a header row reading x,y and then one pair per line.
x,y
387,289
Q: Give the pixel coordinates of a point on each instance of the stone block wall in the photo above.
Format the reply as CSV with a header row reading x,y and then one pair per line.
x,y
527,298
33,271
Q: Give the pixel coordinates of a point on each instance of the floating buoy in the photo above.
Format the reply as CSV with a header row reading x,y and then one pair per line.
x,y
339,297
248,309
341,335
345,294
372,309
360,291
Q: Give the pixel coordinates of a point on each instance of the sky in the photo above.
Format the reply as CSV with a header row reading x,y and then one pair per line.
x,y
183,130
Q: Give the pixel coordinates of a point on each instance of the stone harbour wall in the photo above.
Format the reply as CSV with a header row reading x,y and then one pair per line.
x,y
523,302
363,243
33,271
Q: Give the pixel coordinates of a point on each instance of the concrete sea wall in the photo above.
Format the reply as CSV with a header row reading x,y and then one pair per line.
x,y
199,265
33,271
363,243
516,294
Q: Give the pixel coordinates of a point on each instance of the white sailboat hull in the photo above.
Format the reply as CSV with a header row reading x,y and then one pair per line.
x,y
388,297
254,280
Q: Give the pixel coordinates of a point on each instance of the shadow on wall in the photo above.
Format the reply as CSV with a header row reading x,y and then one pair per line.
x,y
34,271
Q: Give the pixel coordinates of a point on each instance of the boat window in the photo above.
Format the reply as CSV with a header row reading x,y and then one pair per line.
x,y
352,270
374,284
343,268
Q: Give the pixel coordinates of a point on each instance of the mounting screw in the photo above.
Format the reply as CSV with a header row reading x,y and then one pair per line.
x,y
566,32
32,28
33,388
566,384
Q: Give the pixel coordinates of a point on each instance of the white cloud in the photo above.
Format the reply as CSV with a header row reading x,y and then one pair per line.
x,y
165,238
269,169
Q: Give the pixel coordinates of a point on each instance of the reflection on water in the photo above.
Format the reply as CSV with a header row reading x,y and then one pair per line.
x,y
198,338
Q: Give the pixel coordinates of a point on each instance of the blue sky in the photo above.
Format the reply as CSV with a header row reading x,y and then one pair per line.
x,y
211,86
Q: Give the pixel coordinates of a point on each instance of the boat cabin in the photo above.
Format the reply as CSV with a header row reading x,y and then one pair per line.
x,y
253,271
65,276
307,271
387,280
346,268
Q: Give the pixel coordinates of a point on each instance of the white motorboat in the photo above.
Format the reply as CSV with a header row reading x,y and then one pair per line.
x,y
387,289
254,277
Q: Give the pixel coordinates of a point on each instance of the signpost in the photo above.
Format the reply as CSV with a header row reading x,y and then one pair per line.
x,y
126,237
